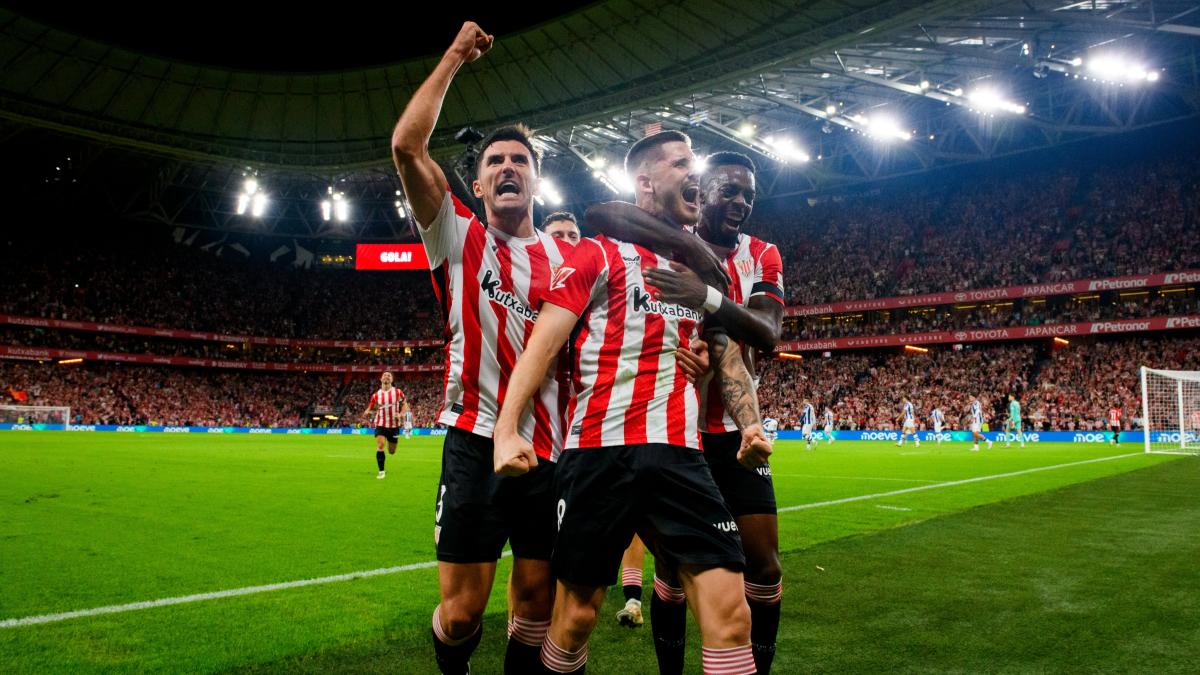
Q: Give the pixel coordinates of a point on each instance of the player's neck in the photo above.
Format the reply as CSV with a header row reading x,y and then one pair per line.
x,y
721,247
514,225
647,204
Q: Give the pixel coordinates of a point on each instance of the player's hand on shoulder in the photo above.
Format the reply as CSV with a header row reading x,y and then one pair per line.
x,y
513,455
678,285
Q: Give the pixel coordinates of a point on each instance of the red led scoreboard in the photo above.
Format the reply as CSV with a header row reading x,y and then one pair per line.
x,y
390,257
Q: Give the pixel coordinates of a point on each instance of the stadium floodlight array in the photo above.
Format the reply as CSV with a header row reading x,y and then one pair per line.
x,y
1171,411
1118,69
988,101
35,414
1106,68
252,198
882,127
337,206
613,178
786,149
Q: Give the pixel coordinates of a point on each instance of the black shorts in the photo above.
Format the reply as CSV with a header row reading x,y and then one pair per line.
x,y
664,493
477,510
745,491
390,433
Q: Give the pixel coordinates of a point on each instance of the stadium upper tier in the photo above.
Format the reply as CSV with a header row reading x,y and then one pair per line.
x,y
1042,229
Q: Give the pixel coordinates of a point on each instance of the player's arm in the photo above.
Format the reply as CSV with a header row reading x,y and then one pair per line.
x,y
424,182
759,324
737,393
514,455
627,222
370,406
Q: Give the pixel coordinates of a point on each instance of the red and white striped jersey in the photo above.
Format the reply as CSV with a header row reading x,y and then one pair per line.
x,y
387,404
1114,416
489,285
628,387
756,269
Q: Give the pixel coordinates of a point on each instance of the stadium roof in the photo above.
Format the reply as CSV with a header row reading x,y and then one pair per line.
x,y
821,76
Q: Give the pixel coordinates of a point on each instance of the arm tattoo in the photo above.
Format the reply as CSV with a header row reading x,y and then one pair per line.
x,y
737,389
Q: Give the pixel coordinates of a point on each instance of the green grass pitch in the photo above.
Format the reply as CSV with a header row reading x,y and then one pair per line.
x,y
894,558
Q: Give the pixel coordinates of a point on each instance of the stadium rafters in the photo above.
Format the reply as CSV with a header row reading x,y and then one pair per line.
x,y
818,73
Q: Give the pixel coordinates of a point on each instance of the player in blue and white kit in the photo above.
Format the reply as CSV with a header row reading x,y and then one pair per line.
x,y
808,418
828,424
1014,422
976,422
407,417
908,422
771,428
938,420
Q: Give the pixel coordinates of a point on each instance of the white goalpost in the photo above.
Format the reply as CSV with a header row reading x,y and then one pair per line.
x,y
35,414
1171,411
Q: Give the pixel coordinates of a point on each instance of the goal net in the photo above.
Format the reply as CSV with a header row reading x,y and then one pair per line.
x,y
1171,410
34,414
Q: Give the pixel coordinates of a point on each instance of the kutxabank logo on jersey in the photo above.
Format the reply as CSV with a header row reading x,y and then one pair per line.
x,y
644,302
491,285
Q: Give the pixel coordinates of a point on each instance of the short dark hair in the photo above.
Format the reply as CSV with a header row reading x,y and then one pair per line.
x,y
633,158
726,158
559,215
514,132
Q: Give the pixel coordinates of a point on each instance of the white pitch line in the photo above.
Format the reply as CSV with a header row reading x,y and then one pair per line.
x,y
892,508
214,595
250,590
965,481
814,475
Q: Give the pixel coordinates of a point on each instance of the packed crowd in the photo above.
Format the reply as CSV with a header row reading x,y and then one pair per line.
x,y
155,395
1060,309
1077,387
993,231
1066,389
225,351
864,391
133,394
194,290
1038,227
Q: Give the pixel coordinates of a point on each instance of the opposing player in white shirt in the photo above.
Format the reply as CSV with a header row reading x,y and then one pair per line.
x,y
828,424
975,417
808,419
908,422
938,420
771,428
407,417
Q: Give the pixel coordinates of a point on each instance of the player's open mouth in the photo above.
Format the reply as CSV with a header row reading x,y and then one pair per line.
x,y
508,187
691,196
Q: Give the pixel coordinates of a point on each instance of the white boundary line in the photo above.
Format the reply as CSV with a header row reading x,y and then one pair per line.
x,y
250,590
977,479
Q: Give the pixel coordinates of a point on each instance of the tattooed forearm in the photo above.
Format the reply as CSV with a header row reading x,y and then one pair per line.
x,y
737,388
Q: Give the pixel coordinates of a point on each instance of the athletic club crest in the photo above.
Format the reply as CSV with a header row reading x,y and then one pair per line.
x,y
558,277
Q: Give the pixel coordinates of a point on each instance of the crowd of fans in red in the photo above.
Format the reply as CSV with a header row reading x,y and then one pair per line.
x,y
1069,388
995,231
